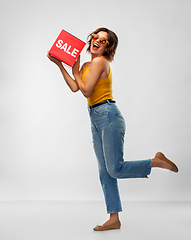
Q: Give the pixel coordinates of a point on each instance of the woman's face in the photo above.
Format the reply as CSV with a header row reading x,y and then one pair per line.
x,y
98,49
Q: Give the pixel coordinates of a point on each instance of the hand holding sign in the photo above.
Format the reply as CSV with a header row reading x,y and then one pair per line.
x,y
53,59
67,48
76,67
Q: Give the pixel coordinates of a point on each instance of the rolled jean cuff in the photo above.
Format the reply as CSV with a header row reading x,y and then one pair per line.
x,y
114,211
149,168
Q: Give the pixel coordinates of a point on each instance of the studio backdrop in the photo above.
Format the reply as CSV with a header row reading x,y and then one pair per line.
x,y
46,150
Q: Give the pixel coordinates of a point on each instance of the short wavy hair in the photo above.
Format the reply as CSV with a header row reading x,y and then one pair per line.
x,y
113,43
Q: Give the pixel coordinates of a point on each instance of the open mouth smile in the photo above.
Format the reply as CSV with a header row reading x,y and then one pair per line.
x,y
95,46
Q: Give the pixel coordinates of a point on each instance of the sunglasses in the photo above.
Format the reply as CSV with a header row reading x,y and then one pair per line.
x,y
102,40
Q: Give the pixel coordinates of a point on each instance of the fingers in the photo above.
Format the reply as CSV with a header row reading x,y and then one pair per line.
x,y
53,59
78,59
50,56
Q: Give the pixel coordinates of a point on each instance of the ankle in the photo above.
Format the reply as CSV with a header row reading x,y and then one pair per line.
x,y
114,217
156,162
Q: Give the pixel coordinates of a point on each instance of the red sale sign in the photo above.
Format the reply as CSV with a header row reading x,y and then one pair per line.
x,y
67,48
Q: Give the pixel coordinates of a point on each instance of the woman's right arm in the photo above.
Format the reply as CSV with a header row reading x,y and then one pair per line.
x,y
68,79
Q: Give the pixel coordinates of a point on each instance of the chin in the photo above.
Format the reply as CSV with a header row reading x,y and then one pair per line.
x,y
96,52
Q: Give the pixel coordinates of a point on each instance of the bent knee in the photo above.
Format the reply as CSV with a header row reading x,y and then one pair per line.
x,y
113,172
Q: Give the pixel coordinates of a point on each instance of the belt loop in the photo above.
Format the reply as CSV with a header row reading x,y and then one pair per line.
x,y
108,101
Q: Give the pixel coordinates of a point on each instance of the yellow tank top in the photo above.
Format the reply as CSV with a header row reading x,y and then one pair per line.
x,y
102,90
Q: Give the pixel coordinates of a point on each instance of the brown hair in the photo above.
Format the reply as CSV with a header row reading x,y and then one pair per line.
x,y
113,42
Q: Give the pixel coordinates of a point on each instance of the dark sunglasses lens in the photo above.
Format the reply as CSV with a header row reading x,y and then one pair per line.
x,y
102,41
94,37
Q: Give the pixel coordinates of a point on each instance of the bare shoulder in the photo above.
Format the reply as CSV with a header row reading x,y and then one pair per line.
x,y
101,66
101,62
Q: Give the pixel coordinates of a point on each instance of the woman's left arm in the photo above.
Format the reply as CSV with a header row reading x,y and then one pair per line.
x,y
92,77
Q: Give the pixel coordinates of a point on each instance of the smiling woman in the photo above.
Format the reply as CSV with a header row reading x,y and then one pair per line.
x,y
111,40
94,80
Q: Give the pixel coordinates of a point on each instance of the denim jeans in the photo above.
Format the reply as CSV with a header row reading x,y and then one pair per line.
x,y
108,130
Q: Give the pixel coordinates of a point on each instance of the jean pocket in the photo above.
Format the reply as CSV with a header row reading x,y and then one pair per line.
x,y
101,110
121,121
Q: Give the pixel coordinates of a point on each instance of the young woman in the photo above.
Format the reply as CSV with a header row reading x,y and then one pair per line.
x,y
94,80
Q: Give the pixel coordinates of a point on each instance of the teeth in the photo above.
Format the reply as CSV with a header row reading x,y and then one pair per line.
x,y
96,45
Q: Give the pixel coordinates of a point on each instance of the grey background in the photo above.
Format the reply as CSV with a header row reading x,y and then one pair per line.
x,y
45,140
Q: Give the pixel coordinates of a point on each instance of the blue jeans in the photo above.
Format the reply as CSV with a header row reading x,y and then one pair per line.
x,y
108,130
